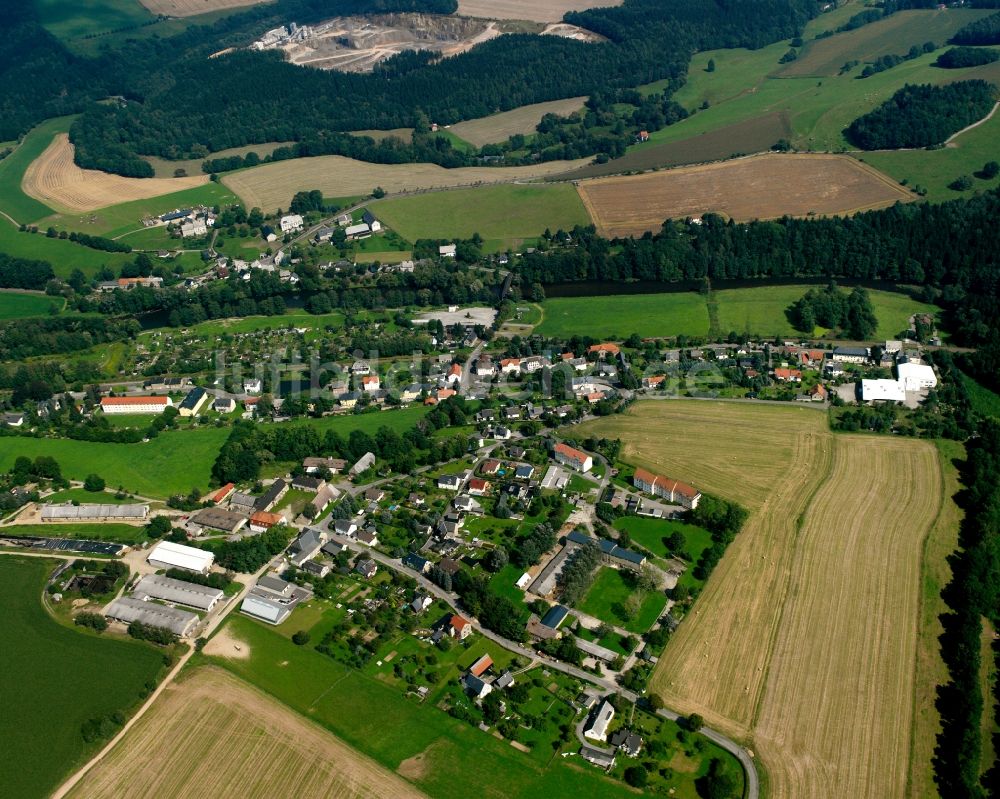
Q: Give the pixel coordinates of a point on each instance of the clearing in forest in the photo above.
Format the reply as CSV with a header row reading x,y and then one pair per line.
x,y
544,11
804,640
229,739
273,185
760,187
523,120
188,8
54,179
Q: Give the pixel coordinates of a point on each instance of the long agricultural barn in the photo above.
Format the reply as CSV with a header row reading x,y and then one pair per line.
x,y
71,512
180,592
168,555
218,519
128,610
135,404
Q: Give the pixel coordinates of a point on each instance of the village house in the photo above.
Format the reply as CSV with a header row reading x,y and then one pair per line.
x,y
478,487
333,465
253,386
224,405
370,383
666,488
192,403
291,223
447,250
596,727
574,458
603,350
459,628
367,568
851,354
261,521
653,382
786,375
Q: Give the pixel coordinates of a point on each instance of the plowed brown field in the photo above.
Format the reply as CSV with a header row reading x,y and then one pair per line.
x,y
213,735
188,8
803,642
544,11
54,179
759,187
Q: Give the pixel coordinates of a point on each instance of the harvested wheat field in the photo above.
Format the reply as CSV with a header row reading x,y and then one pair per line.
x,y
543,11
54,179
759,187
272,186
188,8
524,120
213,735
803,642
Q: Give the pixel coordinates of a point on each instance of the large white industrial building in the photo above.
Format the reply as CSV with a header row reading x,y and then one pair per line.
x,y
127,609
93,512
882,391
180,592
916,376
168,555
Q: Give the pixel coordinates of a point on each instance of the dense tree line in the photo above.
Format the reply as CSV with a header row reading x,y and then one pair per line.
x,y
982,31
27,338
723,519
831,308
950,248
962,57
268,99
99,243
973,593
24,273
495,612
578,573
882,63
924,115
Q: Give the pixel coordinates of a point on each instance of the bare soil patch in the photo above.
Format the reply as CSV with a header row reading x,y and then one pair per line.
x,y
272,185
213,735
188,8
225,644
544,11
759,187
54,179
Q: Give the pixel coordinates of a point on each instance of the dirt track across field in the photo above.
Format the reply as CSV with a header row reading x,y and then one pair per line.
x,y
759,187
54,179
803,643
213,735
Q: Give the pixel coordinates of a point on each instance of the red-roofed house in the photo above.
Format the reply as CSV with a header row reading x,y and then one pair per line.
x,y
818,393
811,357
666,488
653,382
510,365
604,349
135,404
261,522
455,373
787,375
371,383
479,487
459,628
567,356
443,393
491,466
479,668
573,458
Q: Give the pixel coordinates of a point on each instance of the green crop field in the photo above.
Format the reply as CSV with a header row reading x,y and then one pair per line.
x,y
503,215
171,463
14,305
429,747
607,597
64,255
72,19
761,310
52,680
618,316
14,202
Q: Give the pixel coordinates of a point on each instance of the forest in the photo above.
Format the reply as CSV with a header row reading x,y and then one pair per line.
x,y
982,31
831,308
922,116
169,92
962,57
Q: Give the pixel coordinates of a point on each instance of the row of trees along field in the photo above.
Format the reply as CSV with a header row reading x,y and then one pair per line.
x,y
171,90
949,248
920,116
974,593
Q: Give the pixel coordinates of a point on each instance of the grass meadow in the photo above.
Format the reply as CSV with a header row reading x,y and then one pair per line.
x,y
606,600
428,746
53,680
505,215
14,305
14,202
73,19
618,316
759,310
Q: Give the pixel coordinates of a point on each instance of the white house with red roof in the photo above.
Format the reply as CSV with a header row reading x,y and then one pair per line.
x,y
371,383
574,458
666,488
